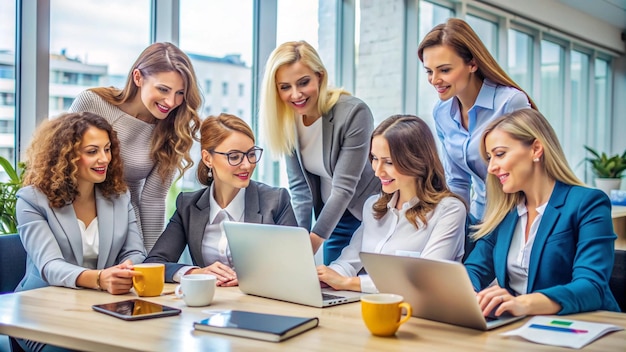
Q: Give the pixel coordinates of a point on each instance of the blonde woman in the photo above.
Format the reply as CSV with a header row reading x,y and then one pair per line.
x,y
155,117
546,238
473,90
323,133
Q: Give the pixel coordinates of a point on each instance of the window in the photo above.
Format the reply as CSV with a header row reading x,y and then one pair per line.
x,y
81,52
6,126
430,15
241,89
7,99
520,59
487,32
577,135
552,82
218,59
7,79
601,118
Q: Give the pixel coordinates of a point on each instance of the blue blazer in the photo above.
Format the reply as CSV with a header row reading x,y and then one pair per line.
x,y
53,241
572,255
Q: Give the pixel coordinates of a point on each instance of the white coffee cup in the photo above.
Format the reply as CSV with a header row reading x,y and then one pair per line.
x,y
196,290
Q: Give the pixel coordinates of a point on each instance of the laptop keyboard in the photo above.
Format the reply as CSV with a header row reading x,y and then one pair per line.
x,y
328,296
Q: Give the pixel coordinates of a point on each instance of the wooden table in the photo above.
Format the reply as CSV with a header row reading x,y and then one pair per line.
x,y
618,213
64,317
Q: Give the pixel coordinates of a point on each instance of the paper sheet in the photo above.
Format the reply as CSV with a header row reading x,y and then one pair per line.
x,y
561,332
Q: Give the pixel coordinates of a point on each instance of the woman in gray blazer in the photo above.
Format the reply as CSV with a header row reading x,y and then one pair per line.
x,y
229,157
74,214
324,135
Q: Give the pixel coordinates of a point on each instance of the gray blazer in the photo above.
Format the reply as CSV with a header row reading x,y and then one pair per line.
x,y
264,205
346,130
53,241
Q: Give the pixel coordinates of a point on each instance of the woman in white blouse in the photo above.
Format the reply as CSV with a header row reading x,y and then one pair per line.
x,y
415,214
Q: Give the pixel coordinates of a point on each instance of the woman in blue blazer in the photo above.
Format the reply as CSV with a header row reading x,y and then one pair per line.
x,y
546,238
229,157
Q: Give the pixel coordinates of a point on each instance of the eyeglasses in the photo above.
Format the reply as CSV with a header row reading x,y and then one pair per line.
x,y
236,157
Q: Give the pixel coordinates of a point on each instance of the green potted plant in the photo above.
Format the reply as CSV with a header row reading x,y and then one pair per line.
x,y
607,169
8,189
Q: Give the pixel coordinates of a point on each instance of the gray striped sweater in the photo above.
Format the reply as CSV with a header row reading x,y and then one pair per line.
x,y
148,191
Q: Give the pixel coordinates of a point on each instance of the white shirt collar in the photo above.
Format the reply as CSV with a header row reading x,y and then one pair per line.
x,y
407,205
235,209
523,210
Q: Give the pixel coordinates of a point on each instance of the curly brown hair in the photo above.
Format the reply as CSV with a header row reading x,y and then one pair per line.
x,y
54,151
413,152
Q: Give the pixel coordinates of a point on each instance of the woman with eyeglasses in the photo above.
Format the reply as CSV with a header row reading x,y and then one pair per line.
x,y
229,157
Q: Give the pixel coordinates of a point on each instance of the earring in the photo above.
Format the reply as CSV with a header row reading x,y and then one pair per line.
x,y
210,173
536,160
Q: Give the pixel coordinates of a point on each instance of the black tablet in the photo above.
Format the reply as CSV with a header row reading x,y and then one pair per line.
x,y
136,309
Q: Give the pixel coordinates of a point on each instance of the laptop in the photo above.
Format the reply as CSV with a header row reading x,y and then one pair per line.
x,y
277,262
436,289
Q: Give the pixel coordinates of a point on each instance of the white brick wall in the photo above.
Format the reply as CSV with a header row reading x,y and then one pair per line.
x,y
379,73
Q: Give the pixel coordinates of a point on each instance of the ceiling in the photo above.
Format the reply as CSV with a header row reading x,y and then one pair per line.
x,y
610,11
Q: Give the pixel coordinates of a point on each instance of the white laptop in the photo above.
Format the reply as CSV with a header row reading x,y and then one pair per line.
x,y
437,290
277,262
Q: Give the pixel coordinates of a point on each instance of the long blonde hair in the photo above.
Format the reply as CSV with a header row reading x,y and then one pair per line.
x,y
458,35
280,119
173,136
526,126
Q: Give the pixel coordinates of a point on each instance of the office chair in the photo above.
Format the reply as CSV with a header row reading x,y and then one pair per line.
x,y
12,270
618,279
12,262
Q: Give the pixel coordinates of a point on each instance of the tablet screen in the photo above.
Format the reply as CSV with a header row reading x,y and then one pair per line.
x,y
135,309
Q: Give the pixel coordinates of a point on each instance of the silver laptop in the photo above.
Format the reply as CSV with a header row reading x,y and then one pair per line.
x,y
437,290
277,262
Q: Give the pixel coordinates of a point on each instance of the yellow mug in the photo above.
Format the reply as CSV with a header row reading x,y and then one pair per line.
x,y
150,280
382,313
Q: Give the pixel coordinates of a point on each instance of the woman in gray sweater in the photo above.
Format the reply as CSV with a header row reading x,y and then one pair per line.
x,y
156,120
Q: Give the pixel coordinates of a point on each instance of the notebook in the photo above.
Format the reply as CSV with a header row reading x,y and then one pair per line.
x,y
277,262
437,290
260,326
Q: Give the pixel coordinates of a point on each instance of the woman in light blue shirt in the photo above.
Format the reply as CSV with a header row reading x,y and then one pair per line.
x,y
414,215
473,90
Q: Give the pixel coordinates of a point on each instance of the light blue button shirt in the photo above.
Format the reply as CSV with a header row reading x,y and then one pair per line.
x,y
463,164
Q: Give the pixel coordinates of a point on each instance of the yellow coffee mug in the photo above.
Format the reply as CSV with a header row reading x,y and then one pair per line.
x,y
382,313
150,280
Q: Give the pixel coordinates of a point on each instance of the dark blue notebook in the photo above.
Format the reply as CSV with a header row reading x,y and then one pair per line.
x,y
261,326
